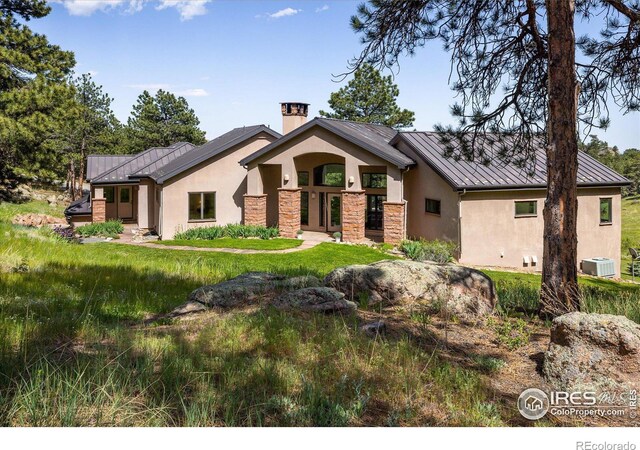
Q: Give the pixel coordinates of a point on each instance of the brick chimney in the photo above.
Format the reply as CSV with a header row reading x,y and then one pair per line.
x,y
294,114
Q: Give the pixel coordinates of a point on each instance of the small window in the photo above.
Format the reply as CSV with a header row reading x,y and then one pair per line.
x,y
303,178
202,206
329,175
527,209
605,211
125,195
374,180
304,208
110,194
432,206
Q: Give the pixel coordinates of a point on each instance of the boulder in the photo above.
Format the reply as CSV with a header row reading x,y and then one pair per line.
x,y
37,220
52,200
315,299
467,293
244,289
593,352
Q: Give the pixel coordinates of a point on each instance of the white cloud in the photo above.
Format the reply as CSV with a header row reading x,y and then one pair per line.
x,y
88,7
284,12
193,93
188,9
322,8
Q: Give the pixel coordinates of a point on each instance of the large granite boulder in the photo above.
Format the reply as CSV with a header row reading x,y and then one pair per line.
x,y
243,289
37,220
593,352
467,293
315,299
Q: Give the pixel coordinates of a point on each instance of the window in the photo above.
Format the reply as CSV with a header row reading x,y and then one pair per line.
x,y
432,206
110,194
304,208
321,208
329,175
303,178
374,180
605,211
202,206
527,209
125,195
374,216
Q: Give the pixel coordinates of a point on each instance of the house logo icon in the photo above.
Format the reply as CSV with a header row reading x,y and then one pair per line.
x,y
533,404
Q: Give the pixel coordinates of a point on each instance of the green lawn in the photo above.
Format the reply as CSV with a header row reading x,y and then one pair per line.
x,y
630,230
249,244
74,350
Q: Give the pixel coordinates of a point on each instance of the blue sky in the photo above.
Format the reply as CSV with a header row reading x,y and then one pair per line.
x,y
235,61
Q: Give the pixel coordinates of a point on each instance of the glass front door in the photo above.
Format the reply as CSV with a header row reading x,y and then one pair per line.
x,y
375,207
334,212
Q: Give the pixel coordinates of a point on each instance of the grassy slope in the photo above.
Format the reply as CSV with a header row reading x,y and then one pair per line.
x,y
630,230
250,244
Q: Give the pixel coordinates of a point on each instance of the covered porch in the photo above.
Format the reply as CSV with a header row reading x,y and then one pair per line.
x,y
331,191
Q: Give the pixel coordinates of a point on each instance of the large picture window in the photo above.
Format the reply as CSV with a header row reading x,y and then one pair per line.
x,y
202,206
329,175
375,208
374,180
303,178
304,208
605,211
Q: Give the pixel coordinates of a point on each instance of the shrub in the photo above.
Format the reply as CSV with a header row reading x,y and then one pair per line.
x,y
233,230
634,267
110,228
512,334
438,251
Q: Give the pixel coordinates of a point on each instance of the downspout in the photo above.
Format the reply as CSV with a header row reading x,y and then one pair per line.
x,y
160,214
460,195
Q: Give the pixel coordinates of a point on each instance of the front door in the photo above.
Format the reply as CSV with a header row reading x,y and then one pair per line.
x,y
125,202
334,212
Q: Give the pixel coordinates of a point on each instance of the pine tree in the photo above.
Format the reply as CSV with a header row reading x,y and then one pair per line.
x,y
161,121
369,97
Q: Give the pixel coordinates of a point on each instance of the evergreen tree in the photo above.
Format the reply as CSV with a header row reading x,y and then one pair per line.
x,y
369,97
161,121
33,93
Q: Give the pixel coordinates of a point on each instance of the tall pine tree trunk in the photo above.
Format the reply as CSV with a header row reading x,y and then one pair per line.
x,y
559,272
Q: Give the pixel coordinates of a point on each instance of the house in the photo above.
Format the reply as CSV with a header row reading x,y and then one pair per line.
x,y
364,180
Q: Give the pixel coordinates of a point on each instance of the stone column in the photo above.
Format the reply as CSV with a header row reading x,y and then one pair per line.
x,y
99,210
353,215
288,212
255,209
394,226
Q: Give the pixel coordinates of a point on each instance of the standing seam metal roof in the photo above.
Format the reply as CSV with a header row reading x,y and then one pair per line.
x,y
98,164
120,174
208,150
371,137
473,175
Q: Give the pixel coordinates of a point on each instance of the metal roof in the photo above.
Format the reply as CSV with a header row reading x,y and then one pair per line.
x,y
473,175
209,150
121,173
185,148
371,137
97,164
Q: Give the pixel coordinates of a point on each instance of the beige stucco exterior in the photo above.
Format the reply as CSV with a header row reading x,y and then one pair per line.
x,y
221,174
491,234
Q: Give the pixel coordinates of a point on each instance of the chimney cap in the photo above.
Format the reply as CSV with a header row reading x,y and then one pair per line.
x,y
294,108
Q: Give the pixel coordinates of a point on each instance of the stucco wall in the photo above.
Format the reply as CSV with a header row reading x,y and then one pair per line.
x,y
422,182
493,236
222,175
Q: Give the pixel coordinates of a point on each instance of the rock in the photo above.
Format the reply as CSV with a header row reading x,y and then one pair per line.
x,y
37,220
374,329
187,308
315,299
52,200
593,352
467,293
246,288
